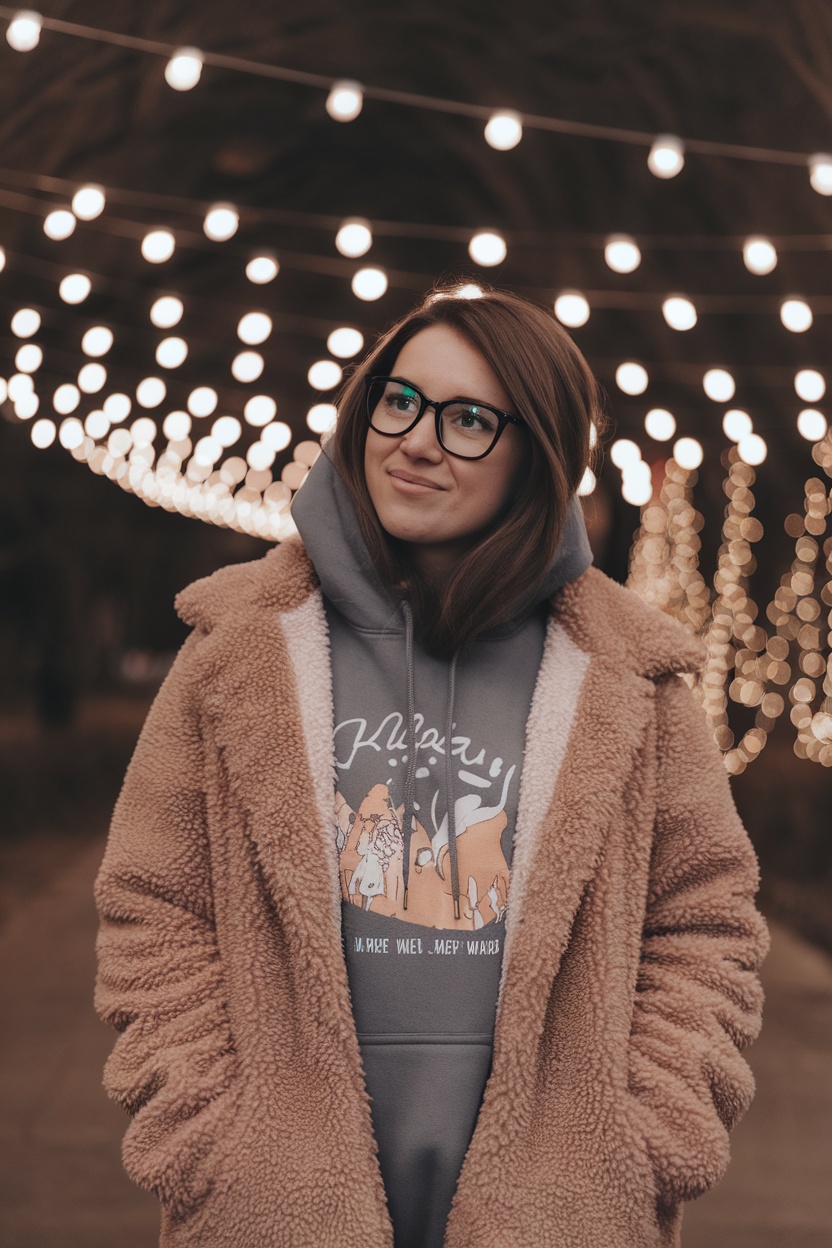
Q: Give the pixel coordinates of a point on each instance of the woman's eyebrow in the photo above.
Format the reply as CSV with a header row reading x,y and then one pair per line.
x,y
454,398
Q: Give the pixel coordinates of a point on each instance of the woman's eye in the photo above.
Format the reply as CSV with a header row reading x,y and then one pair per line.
x,y
401,402
470,418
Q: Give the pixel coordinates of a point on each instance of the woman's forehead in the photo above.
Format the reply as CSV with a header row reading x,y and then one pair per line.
x,y
442,363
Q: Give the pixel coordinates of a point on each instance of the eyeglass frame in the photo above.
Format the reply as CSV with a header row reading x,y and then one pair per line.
x,y
503,418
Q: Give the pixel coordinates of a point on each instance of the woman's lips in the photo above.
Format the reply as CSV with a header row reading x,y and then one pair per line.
x,y
412,487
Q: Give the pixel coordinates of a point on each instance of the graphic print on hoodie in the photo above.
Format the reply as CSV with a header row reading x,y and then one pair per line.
x,y
423,984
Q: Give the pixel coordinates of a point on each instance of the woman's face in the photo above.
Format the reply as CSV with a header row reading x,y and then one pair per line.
x,y
438,502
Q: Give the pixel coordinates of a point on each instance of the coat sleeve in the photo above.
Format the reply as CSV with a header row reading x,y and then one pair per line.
x,y
698,998
160,978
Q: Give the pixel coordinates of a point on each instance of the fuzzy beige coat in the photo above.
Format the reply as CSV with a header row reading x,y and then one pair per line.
x,y
629,981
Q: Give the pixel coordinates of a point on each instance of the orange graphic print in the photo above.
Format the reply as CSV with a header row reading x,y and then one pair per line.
x,y
370,847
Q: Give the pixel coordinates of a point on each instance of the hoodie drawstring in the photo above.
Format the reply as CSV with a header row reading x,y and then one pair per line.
x,y
410,777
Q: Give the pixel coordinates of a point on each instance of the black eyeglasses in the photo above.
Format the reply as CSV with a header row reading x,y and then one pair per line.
x,y
464,427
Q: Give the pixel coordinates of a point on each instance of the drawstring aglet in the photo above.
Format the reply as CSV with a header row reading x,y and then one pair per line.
x,y
456,907
405,898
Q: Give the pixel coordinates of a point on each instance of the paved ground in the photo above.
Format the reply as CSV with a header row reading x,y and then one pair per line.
x,y
62,1184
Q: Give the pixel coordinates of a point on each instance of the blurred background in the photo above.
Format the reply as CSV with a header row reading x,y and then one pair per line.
x,y
207,212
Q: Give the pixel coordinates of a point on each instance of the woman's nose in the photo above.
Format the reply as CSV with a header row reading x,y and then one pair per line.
x,y
421,441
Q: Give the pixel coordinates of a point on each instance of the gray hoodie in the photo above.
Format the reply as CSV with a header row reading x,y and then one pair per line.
x,y
423,916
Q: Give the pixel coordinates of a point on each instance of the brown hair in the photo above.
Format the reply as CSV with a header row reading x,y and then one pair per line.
x,y
552,387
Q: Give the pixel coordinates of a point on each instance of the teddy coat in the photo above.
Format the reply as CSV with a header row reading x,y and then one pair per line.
x,y
629,983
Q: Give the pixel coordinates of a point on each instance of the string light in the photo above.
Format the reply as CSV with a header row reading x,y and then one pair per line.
x,y
345,342
660,424
752,448
470,290
487,248
796,315
259,410
321,417
254,328
202,401
369,284
688,453
4,390
151,392
571,308
184,69
276,436
117,407
625,451
221,222
811,424
66,398
59,224
667,156
88,202
25,322
809,385
820,173
324,375
28,358
504,130
631,378
2,259
345,100
622,254
679,312
226,430
247,366
759,255
262,268
736,424
75,288
177,425
158,246
26,406
97,341
23,31
166,311
719,385
637,483
171,352
43,433
354,238
92,378
70,433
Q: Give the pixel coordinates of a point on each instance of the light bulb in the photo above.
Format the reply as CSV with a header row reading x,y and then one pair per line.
x,y
354,238
622,253
226,430
184,69
736,424
321,417
345,100
28,358
796,315
262,269
23,32
752,449
59,224
151,392
809,385
624,452
247,366
43,433
667,156
259,410
158,246
177,425
276,436
811,424
202,401
679,312
2,259
660,424
571,308
719,385
345,342
92,378
97,341
19,385
75,287
369,284
25,323
171,352
71,433
26,406
759,255
324,375
631,378
504,130
166,311
88,202
688,453
588,483
66,398
637,484
143,431
117,407
820,173
487,248
221,222
254,328
96,424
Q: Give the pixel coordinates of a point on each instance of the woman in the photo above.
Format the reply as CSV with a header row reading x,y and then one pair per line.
x,y
346,1018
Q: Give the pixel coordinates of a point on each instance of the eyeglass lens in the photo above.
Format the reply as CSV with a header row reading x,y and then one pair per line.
x,y
466,429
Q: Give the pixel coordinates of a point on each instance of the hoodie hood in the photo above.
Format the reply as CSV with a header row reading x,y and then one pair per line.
x,y
323,512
